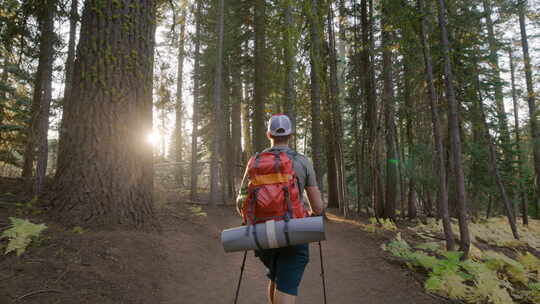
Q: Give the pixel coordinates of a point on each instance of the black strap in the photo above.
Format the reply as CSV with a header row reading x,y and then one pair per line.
x,y
288,215
288,203
277,162
251,214
256,237
286,231
252,204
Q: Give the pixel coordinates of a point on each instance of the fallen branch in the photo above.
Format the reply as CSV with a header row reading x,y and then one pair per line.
x,y
35,293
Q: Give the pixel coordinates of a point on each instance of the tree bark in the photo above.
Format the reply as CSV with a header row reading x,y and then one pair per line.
x,y
336,120
3,95
217,106
259,130
410,111
290,63
524,207
106,176
370,101
531,99
196,101
499,98
437,133
41,101
73,20
392,181
236,117
455,138
496,173
315,61
179,109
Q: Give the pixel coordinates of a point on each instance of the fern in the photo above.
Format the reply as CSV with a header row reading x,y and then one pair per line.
x,y
429,246
533,294
515,272
399,247
21,234
487,285
531,264
449,285
387,224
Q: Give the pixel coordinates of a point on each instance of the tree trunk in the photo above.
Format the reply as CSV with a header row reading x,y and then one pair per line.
x,y
455,139
524,207
290,63
316,71
73,20
498,82
410,111
246,130
106,178
370,101
236,117
217,106
259,130
179,102
336,119
440,164
355,103
493,161
196,101
3,93
392,181
41,101
531,99
226,143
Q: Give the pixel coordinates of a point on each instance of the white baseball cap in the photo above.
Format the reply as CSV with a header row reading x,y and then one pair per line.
x,y
280,125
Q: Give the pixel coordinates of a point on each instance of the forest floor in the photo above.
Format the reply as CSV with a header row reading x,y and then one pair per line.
x,y
185,263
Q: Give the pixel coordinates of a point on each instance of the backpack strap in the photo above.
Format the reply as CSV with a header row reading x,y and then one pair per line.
x,y
294,156
257,160
251,215
288,215
277,163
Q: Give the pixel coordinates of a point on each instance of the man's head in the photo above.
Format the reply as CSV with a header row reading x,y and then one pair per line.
x,y
279,129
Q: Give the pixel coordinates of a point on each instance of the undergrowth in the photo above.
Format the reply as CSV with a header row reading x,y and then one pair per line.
x,y
379,225
494,232
20,234
488,277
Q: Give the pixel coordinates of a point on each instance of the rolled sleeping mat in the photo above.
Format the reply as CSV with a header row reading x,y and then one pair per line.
x,y
271,234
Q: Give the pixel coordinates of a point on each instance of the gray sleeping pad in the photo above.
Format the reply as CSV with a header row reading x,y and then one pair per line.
x,y
271,234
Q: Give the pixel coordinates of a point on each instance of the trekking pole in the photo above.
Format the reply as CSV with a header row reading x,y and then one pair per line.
x,y
322,273
240,279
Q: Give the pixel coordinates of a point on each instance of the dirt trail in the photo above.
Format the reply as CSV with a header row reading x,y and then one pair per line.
x,y
185,264
356,271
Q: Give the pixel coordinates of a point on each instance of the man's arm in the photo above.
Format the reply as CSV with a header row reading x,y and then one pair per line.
x,y
315,200
242,193
312,190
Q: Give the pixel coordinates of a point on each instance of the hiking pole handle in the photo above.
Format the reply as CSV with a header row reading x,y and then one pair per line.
x,y
322,272
240,279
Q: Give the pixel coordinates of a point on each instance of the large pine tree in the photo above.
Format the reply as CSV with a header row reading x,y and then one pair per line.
x,y
105,173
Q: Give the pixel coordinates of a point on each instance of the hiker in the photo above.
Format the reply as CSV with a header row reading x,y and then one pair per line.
x,y
285,265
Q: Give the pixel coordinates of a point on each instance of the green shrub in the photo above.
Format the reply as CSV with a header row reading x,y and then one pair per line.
x,y
491,278
20,234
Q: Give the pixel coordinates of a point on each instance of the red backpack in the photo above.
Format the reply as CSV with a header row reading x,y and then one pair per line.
x,y
273,192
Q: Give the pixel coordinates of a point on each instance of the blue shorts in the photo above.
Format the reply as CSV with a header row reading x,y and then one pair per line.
x,y
285,266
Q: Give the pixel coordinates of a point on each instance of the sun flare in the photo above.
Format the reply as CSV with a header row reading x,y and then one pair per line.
x,y
153,138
